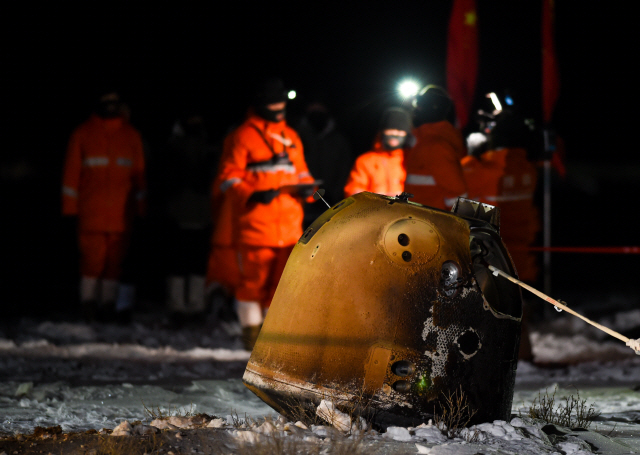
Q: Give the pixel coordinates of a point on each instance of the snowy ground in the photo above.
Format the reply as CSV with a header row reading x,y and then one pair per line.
x,y
95,376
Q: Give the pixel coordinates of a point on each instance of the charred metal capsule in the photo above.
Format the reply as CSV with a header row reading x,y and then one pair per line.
x,y
392,300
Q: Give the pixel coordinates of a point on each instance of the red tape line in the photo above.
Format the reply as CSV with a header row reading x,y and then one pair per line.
x,y
585,249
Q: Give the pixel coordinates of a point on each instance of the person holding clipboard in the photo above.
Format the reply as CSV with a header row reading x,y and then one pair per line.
x,y
262,171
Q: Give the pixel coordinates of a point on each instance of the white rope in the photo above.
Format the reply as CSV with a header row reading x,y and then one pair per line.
x,y
633,344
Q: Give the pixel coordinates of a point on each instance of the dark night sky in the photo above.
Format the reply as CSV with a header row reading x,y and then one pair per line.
x,y
174,55
167,56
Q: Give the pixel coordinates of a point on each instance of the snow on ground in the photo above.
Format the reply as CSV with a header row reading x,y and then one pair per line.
x,y
85,407
41,348
84,376
568,339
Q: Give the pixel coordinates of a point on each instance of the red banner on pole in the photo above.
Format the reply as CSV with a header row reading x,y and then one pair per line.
x,y
462,57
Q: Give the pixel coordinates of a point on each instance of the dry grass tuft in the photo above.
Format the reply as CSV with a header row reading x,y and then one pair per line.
x,y
278,443
240,423
109,445
357,407
156,412
574,413
302,411
455,415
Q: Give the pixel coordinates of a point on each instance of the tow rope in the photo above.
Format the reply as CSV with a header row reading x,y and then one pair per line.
x,y
633,344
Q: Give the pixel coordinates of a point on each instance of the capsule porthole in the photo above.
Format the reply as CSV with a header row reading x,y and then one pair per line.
x,y
401,386
403,239
403,368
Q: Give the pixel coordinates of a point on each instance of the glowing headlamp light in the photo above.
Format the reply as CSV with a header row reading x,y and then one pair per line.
x,y
408,89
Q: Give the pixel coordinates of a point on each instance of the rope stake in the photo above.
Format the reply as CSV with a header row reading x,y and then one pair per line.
x,y
633,344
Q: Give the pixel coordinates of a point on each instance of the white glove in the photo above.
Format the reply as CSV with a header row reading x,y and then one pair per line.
x,y
635,345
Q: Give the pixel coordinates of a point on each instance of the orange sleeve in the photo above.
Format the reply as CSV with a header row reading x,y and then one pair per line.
x,y
217,195
71,176
358,180
233,169
297,158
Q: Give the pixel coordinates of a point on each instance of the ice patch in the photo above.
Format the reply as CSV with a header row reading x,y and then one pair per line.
x,y
216,423
124,429
570,448
552,348
397,434
429,433
328,412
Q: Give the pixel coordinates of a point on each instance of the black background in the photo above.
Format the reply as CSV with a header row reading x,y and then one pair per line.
x,y
166,57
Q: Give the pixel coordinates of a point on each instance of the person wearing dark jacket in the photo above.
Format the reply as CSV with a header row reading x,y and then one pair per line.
x,y
327,153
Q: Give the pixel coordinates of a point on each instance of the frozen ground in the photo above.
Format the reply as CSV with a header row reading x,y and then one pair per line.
x,y
95,376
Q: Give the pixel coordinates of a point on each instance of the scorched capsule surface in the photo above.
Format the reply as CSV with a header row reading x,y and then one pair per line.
x,y
390,300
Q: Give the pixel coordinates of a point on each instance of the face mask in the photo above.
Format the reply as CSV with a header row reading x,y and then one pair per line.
x,y
392,142
269,115
108,109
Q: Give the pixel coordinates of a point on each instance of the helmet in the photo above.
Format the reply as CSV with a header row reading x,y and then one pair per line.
x,y
432,104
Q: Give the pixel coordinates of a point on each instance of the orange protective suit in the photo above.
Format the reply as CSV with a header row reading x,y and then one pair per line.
x,y
506,179
434,174
262,156
104,185
377,171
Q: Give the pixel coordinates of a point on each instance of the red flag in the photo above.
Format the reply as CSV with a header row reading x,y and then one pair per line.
x,y
462,57
550,74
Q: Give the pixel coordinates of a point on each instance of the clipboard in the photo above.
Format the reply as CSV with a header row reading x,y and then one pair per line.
x,y
298,186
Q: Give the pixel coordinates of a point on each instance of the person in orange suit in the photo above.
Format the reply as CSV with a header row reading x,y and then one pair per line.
x,y
261,174
381,170
104,187
434,174
504,177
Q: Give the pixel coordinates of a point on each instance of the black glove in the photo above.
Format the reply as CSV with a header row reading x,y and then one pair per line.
x,y
263,197
306,191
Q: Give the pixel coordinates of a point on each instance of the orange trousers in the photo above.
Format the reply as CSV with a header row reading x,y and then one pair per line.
x,y
260,272
102,253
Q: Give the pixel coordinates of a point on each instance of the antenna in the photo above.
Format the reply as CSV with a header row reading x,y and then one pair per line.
x,y
318,195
